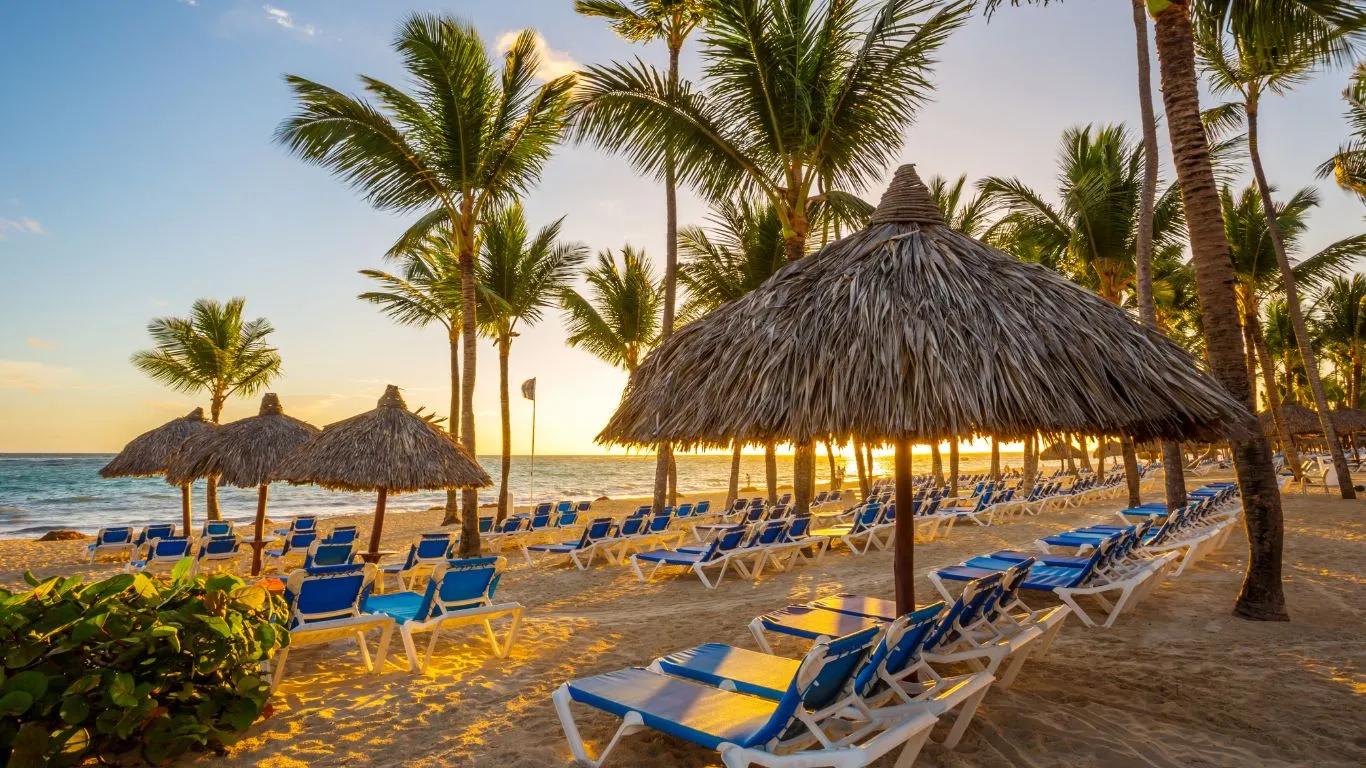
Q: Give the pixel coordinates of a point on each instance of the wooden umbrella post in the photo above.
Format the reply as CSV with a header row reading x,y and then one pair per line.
x,y
378,528
258,542
185,506
904,561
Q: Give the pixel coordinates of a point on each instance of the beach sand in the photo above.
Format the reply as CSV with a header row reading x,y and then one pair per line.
x,y
1178,682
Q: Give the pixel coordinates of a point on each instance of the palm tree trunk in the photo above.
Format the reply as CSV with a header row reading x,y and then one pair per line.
x,y
733,488
505,412
1261,596
936,464
771,473
212,511
469,498
1085,452
1029,466
803,462
953,466
903,563
995,459
1250,358
868,459
861,469
1292,302
452,514
673,478
835,482
1273,398
1131,470
664,458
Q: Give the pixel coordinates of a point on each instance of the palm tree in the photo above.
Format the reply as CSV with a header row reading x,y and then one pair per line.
x,y
1348,166
213,351
426,290
520,275
1342,329
467,138
743,249
643,21
619,321
797,96
1280,343
1096,230
1249,66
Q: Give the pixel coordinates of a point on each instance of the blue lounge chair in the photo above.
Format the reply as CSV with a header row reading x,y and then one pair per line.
x,y
321,554
213,528
858,535
217,551
342,534
713,556
512,527
426,551
117,541
162,554
794,545
295,544
747,729
458,593
580,551
326,604
301,524
150,532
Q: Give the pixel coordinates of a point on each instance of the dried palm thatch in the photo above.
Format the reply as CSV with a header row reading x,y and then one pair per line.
x,y
244,453
1111,448
149,454
1299,420
912,332
389,449
1060,452
1349,419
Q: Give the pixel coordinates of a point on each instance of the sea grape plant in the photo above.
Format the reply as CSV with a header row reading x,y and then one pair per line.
x,y
132,666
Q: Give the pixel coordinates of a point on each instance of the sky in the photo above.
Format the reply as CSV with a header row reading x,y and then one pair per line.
x,y
138,173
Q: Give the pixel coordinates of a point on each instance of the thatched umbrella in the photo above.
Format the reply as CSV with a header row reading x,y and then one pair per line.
x,y
1299,420
389,449
149,454
244,453
910,332
1060,452
1349,419
1109,448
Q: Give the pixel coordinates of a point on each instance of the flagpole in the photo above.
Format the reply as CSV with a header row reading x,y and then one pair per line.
x,y
532,501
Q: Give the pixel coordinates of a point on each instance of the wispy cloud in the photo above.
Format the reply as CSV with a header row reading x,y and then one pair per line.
x,y
31,376
21,225
37,343
553,63
188,2
285,19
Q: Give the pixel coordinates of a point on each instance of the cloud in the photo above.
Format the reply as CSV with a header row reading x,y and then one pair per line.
x,y
21,225
31,376
285,19
37,343
188,2
553,63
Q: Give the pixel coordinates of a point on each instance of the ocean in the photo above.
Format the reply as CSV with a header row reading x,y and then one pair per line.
x,y
43,492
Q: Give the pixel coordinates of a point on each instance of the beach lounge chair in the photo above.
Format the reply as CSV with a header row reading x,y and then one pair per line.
x,y
746,729
458,593
714,556
652,532
321,553
342,534
115,541
858,535
749,557
511,528
294,544
300,524
162,554
326,604
426,551
213,528
794,545
579,551
218,551
150,532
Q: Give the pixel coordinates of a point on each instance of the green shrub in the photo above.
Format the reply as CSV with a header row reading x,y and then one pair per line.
x,y
132,665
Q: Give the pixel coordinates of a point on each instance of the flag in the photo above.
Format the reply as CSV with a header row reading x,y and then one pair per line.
x,y
529,389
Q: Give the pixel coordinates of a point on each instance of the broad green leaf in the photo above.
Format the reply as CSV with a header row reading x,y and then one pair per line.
x,y
74,709
15,702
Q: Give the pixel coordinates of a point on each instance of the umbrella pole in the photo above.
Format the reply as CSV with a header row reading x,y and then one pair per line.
x,y
904,561
261,494
379,522
185,506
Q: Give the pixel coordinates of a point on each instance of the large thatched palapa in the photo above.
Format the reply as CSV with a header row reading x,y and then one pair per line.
x,y
149,454
244,453
910,332
389,449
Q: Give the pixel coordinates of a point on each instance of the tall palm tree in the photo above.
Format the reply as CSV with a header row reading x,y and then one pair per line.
x,y
1249,66
1348,166
1280,342
520,276
1096,229
1342,329
796,96
644,21
619,321
743,249
467,138
212,351
426,290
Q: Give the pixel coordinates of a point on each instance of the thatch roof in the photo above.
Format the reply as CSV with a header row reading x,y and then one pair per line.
x,y
908,329
244,453
150,453
1349,419
1059,452
1298,419
387,448
1112,448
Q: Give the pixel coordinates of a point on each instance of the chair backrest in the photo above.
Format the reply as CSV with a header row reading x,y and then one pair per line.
x,y
1007,591
598,528
564,506
684,510
328,592
821,678
459,584
899,647
155,532
304,523
728,539
738,506
968,603
583,506
541,517
867,518
122,535
323,554
220,545
567,518
169,548
784,499
342,534
543,508
797,528
702,508
660,522
429,548
514,524
216,528
633,525
486,524
767,532
299,540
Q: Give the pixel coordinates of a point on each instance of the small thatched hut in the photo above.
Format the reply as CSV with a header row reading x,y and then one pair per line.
x,y
1349,419
244,453
149,454
1299,420
908,331
389,449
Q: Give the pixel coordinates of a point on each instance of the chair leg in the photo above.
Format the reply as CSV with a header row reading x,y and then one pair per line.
x,y
966,711
278,673
410,649
364,652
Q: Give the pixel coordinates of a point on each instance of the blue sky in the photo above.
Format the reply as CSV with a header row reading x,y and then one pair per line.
x,y
137,173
